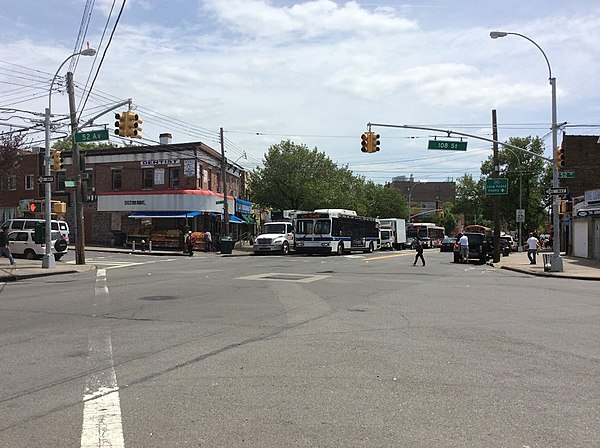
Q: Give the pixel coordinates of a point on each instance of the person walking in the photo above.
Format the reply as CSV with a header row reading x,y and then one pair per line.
x,y
532,247
207,241
190,240
463,242
4,249
419,254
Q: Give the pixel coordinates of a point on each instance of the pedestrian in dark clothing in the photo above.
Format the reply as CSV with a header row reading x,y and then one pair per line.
x,y
4,249
419,249
190,240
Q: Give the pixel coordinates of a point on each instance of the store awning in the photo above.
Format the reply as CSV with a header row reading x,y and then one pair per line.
x,y
590,210
232,218
141,215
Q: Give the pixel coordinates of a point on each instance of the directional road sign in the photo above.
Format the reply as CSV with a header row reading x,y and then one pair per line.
x,y
557,191
46,179
496,186
447,144
566,175
91,136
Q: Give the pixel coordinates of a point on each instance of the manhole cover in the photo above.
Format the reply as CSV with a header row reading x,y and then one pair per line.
x,y
283,277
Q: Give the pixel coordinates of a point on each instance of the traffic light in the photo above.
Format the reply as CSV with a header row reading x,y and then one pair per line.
x,y
560,158
57,160
134,125
121,124
35,207
375,142
364,144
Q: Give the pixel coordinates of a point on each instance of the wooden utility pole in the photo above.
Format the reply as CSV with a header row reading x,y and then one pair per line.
x,y
78,196
224,176
496,174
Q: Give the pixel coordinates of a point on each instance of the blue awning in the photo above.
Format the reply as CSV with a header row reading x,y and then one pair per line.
x,y
234,219
140,215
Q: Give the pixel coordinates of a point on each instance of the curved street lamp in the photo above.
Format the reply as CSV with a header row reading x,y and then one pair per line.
x,y
556,260
48,258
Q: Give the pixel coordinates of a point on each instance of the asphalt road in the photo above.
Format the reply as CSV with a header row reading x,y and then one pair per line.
x,y
303,351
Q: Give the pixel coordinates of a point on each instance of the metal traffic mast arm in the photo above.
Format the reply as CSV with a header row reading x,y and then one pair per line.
x,y
462,134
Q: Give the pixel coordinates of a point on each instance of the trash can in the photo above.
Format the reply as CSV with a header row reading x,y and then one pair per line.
x,y
226,244
547,262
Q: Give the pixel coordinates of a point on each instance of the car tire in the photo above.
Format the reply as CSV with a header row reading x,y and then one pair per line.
x,y
285,248
30,254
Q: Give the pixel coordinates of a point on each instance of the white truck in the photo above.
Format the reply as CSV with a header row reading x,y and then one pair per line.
x,y
393,233
276,236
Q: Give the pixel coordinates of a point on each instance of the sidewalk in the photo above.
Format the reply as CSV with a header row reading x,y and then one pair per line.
x,y
573,267
25,269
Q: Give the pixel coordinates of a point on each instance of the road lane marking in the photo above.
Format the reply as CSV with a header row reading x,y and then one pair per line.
x,y
102,425
382,257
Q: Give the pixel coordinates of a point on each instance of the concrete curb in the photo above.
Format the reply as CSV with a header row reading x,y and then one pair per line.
x,y
548,274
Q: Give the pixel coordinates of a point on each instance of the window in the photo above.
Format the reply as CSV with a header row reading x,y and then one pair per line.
x,y
60,180
147,177
29,182
117,175
12,183
174,177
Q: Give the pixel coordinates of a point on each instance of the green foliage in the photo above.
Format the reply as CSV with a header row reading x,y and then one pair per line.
x,y
449,220
294,177
469,199
66,144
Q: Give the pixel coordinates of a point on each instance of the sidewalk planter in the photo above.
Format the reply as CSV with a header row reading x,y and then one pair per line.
x,y
226,244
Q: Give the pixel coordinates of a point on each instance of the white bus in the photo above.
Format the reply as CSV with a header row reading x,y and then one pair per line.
x,y
431,235
327,231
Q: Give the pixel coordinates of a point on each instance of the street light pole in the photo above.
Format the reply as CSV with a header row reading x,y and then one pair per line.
x,y
556,264
410,198
48,260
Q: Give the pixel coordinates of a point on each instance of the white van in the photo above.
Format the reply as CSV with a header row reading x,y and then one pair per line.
x,y
30,223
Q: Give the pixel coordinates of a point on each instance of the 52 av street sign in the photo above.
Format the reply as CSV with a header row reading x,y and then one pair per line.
x,y
496,186
557,190
91,136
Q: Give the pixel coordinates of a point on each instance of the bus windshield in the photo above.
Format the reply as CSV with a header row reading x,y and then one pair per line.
x,y
305,226
322,227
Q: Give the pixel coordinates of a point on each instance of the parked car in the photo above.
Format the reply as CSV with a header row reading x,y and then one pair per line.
x,y
481,248
506,245
448,244
22,243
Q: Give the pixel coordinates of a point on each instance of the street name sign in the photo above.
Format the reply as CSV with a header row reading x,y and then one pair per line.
x,y
91,136
557,191
70,183
46,179
566,175
447,145
496,186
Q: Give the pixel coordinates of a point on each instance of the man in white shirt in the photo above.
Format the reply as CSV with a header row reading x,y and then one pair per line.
x,y
532,248
464,248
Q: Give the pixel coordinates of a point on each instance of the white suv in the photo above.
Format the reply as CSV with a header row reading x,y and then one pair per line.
x,y
21,242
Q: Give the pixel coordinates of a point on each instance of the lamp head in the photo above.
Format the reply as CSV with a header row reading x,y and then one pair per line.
x,y
87,52
497,34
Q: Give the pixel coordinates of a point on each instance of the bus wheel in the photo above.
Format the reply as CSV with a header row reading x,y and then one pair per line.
x,y
285,248
340,250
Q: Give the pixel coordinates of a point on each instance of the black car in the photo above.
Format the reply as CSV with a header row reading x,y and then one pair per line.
x,y
448,244
481,247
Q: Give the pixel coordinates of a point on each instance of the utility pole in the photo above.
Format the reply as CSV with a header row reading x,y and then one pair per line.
x,y
223,176
78,196
496,174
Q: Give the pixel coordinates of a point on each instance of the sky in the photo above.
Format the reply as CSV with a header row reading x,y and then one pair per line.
x,y
313,72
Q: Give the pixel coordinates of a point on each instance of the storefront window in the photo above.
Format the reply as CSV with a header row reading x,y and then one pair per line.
x,y
147,178
117,174
174,177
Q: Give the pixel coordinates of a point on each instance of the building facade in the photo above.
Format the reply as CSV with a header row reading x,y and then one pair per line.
x,y
425,199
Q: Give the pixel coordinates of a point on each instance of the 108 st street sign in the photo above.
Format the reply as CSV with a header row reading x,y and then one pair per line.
x,y
447,145
91,136
496,186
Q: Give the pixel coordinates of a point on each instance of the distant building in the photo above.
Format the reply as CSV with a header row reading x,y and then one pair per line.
x,y
425,199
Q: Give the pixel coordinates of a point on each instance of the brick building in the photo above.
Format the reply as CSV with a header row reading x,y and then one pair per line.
x,y
424,198
136,190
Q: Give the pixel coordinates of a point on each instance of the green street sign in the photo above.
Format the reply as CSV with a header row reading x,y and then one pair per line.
x,y
497,186
91,136
566,175
447,145
70,184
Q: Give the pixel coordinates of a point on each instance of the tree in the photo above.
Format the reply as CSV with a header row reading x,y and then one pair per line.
x,y
527,179
11,152
469,199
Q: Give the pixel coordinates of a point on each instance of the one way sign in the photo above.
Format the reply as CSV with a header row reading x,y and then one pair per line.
x,y
557,191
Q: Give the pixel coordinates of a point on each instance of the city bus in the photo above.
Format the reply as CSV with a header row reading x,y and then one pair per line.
x,y
335,231
431,235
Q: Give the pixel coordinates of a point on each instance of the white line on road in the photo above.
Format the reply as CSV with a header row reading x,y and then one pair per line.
x,y
102,426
